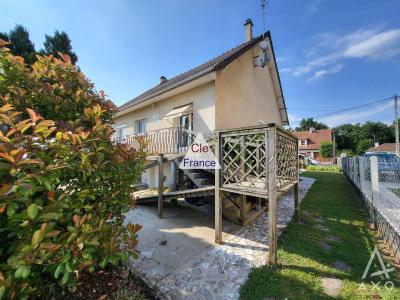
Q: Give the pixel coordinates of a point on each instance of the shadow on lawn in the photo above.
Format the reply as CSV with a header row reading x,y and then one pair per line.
x,y
273,283
332,203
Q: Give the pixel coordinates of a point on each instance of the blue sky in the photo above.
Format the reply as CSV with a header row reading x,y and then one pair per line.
x,y
332,54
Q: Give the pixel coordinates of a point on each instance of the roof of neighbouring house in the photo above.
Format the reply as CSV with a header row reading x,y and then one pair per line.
x,y
386,147
214,64
314,138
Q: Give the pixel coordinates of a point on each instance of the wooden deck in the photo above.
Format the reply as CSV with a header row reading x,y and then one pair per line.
x,y
199,192
256,161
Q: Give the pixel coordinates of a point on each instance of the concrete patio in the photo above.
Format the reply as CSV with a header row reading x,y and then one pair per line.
x,y
178,256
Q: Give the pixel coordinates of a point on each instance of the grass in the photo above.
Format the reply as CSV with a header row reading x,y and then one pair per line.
x,y
324,168
302,258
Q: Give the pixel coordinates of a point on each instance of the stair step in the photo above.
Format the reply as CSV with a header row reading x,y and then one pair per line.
x,y
198,176
201,182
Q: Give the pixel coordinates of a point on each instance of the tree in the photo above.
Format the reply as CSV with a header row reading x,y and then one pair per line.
x,y
59,42
379,132
326,149
363,145
4,36
349,136
21,45
306,124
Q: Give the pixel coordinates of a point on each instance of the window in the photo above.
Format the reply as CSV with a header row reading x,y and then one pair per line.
x,y
303,142
120,132
140,126
154,117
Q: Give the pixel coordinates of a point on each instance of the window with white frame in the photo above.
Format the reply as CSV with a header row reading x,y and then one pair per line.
x,y
140,126
154,117
303,142
120,132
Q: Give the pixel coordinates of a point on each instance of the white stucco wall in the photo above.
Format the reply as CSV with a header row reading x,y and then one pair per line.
x,y
246,94
203,100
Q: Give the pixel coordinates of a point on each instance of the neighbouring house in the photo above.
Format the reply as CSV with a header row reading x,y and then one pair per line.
x,y
383,148
310,141
238,88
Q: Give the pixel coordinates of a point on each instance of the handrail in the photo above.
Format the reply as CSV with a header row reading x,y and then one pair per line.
x,y
162,141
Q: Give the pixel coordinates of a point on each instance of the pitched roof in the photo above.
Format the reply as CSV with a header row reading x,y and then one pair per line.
x,y
214,64
314,138
386,147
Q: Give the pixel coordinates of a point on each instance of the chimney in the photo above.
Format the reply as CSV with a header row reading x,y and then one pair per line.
x,y
163,79
248,30
376,144
312,129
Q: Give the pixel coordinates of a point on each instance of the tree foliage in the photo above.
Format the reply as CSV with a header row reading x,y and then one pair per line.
x,y
59,43
363,145
355,137
326,149
53,87
306,124
63,189
20,43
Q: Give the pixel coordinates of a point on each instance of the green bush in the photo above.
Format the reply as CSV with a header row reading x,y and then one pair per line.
x,y
63,191
53,87
326,149
325,168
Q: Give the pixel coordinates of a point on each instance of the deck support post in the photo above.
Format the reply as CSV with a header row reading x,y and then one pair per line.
x,y
242,208
160,185
270,140
218,199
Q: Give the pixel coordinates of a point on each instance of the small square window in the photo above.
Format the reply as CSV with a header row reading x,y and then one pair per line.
x,y
154,117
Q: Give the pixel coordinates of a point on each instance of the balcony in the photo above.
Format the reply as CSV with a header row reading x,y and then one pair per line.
x,y
170,140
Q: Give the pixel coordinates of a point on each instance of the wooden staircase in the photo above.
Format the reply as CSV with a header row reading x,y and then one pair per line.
x,y
231,203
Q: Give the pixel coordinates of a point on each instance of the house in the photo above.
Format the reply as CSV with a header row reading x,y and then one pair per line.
x,y
310,141
383,148
238,88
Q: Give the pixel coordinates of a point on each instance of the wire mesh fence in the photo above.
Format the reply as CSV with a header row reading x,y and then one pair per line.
x,y
378,181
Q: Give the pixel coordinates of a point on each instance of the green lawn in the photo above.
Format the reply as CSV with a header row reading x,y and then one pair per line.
x,y
304,262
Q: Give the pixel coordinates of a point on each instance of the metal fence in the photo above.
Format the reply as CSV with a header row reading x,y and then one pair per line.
x,y
378,181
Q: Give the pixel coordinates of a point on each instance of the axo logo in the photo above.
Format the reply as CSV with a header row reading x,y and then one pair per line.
x,y
375,277
199,156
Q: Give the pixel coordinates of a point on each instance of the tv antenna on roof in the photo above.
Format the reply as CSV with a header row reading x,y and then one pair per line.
x,y
264,4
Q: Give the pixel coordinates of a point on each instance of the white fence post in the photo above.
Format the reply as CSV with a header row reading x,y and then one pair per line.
x,y
375,187
362,178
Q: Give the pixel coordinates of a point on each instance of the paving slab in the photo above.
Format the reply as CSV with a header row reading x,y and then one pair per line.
x,y
331,286
190,265
341,266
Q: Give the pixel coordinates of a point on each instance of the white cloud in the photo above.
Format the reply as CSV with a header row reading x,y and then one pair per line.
x,y
294,118
336,68
383,45
355,117
331,49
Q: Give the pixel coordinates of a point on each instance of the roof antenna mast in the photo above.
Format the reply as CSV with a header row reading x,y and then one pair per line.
x,y
264,4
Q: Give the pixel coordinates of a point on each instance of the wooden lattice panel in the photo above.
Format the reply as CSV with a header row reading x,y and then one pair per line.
x,y
244,160
286,159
